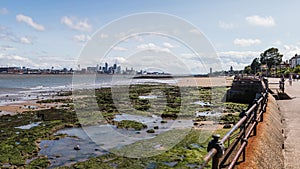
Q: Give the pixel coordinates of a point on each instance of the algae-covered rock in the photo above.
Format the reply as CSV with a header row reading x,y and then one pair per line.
x,y
130,124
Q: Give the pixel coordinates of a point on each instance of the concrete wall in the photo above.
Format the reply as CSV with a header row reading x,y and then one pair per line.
x,y
265,149
244,90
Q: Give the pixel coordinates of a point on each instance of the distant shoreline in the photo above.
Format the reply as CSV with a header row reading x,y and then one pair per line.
x,y
138,76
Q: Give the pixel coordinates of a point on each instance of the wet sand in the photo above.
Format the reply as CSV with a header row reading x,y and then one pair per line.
x,y
20,107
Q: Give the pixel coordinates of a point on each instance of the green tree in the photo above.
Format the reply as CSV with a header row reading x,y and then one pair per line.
x,y
297,69
271,57
255,65
247,69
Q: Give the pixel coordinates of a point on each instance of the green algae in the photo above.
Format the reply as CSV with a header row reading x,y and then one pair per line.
x,y
130,124
98,107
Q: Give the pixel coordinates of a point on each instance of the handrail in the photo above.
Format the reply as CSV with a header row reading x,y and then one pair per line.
x,y
253,115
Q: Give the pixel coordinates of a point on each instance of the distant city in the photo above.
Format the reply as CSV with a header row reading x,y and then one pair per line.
x,y
105,69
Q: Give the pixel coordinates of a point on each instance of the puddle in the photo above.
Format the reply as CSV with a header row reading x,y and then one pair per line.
x,y
170,164
201,103
30,107
142,119
148,97
207,113
103,138
29,126
194,145
151,166
61,152
192,165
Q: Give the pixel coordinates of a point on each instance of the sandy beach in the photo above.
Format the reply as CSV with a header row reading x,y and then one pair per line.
x,y
20,107
205,81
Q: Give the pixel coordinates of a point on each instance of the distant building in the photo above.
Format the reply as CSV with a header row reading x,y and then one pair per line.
x,y
295,61
10,70
91,69
284,64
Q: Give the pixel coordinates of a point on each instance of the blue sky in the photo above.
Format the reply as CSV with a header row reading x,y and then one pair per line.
x,y
43,34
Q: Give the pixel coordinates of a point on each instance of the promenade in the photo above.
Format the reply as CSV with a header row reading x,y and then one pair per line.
x,y
290,110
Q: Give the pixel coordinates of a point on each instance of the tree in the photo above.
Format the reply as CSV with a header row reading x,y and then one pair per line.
x,y
255,65
247,69
297,69
271,57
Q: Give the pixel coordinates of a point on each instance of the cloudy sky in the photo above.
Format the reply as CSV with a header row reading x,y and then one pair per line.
x,y
43,34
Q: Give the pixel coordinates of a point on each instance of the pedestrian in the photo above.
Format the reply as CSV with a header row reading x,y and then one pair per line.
x,y
291,79
281,83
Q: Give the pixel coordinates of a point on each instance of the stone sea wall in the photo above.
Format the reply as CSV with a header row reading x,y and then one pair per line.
x,y
265,149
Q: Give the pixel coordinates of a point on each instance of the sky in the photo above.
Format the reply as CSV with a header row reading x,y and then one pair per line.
x,y
45,34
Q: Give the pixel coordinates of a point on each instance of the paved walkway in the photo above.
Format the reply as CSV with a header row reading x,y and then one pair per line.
x,y
290,110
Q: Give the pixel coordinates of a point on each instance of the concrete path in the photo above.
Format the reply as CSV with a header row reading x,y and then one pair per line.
x,y
290,110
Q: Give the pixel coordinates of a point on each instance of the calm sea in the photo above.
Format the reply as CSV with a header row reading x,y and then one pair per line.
x,y
20,87
24,87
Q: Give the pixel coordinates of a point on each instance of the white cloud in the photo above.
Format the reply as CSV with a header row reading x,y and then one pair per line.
x,y
81,38
277,43
267,21
11,59
239,54
118,48
6,48
168,45
119,60
138,38
237,59
29,21
103,36
3,11
289,51
76,24
25,40
152,46
246,42
2,27
7,35
42,61
225,25
195,31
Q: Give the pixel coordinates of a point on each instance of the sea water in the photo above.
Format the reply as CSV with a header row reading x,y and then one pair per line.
x,y
15,87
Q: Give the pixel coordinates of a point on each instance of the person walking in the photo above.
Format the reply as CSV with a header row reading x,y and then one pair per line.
x,y
291,79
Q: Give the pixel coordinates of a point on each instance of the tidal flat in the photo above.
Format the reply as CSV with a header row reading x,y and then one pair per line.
x,y
166,146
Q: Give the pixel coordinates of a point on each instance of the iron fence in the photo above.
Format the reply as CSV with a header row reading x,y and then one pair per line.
x,y
237,137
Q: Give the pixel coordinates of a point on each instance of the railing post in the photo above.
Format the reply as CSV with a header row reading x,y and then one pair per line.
x,y
262,105
215,143
241,115
255,116
243,136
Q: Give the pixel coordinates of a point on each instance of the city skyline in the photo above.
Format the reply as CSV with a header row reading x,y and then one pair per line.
x,y
106,68
46,34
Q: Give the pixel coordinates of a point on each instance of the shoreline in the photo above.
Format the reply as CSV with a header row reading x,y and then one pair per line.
x,y
25,103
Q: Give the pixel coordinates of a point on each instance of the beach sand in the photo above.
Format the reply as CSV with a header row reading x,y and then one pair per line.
x,y
20,107
205,81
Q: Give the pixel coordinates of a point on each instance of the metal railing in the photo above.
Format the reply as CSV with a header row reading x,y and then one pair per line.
x,y
237,137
